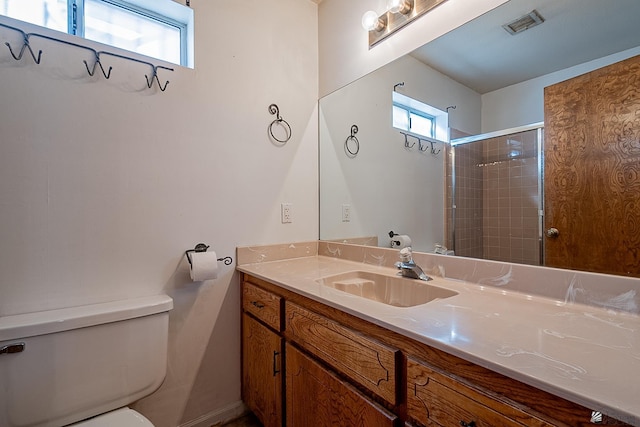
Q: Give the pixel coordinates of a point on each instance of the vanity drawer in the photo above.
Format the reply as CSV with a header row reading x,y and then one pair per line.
x,y
264,305
364,360
437,399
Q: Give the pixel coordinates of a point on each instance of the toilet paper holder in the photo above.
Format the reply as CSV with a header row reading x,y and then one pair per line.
x,y
201,247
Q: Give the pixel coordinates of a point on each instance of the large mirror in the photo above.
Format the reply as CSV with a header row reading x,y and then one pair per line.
x,y
490,85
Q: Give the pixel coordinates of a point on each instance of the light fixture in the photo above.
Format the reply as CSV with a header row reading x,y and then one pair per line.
x,y
399,13
371,21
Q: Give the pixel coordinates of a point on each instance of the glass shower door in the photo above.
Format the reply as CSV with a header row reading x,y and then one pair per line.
x,y
496,186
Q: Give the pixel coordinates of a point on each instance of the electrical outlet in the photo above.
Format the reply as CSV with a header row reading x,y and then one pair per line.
x,y
346,213
286,212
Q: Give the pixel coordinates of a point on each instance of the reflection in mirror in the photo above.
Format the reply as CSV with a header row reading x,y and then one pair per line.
x,y
488,81
495,180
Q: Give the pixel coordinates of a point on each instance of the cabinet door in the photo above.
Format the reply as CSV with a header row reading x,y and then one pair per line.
x,y
366,361
261,371
434,398
315,397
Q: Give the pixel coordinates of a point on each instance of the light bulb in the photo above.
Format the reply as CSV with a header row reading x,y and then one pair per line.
x,y
402,6
394,5
370,21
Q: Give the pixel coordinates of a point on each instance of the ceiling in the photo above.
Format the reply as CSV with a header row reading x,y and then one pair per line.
x,y
485,57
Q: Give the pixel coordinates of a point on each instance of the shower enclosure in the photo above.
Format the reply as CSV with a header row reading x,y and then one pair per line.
x,y
494,195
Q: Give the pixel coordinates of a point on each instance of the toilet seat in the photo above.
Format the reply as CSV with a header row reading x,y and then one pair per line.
x,y
123,417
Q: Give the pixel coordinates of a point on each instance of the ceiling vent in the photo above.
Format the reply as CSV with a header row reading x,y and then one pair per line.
x,y
523,23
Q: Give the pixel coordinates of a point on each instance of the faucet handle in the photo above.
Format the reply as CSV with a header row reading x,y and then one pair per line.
x,y
406,254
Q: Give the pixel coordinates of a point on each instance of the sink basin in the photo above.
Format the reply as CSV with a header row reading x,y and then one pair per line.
x,y
392,290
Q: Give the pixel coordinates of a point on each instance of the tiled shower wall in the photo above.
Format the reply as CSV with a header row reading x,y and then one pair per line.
x,y
497,198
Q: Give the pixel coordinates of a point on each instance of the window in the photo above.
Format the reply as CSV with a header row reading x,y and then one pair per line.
x,y
418,118
413,121
161,29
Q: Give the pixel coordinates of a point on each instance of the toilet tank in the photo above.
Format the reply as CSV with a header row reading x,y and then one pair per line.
x,y
62,366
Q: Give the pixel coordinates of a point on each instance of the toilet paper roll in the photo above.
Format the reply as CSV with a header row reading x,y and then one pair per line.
x,y
400,241
204,266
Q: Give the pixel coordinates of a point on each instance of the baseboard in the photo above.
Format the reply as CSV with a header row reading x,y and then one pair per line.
x,y
219,416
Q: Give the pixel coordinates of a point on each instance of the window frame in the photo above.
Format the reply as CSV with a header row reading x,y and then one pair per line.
x,y
439,118
413,111
167,12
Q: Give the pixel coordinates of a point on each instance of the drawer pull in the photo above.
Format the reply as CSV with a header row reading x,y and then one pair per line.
x,y
275,363
257,304
469,424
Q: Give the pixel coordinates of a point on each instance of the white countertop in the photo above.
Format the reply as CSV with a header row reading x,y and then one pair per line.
x,y
585,354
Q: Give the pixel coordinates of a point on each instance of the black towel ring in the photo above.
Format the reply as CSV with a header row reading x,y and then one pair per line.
x,y
273,109
354,139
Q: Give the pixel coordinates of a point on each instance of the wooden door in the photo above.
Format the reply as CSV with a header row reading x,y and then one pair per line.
x,y
261,371
592,171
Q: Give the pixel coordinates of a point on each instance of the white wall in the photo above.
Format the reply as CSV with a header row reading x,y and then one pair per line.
x,y
105,183
523,103
405,182
344,50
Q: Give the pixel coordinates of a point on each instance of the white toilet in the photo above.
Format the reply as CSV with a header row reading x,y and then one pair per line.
x,y
83,364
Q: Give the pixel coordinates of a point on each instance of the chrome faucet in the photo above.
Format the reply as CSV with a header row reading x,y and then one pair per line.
x,y
408,268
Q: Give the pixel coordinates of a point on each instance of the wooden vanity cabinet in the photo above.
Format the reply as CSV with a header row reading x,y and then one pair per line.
x,y
341,370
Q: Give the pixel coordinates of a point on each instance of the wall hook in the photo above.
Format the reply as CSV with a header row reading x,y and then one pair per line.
x,y
92,71
354,139
421,147
273,109
395,86
433,151
25,46
406,141
154,75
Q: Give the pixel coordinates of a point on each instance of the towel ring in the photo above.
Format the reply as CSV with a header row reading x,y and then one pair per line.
x,y
354,139
273,109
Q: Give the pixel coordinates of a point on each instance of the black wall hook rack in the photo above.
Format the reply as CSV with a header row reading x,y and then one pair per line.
x,y
201,247
37,58
422,143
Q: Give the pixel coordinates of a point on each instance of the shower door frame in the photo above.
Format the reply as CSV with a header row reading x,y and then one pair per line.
x,y
539,127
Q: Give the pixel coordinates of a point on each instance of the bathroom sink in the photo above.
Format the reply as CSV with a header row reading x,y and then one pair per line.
x,y
391,290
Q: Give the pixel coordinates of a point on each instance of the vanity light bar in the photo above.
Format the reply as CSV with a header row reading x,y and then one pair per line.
x,y
393,21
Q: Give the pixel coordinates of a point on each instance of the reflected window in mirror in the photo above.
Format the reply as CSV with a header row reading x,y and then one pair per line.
x,y
416,122
418,118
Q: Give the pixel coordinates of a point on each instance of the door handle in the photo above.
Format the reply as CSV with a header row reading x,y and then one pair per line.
x,y
553,232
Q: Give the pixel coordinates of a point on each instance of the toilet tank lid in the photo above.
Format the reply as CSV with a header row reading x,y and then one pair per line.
x,y
51,321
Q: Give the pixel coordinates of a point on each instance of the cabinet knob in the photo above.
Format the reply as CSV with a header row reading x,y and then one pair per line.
x,y
257,304
469,424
